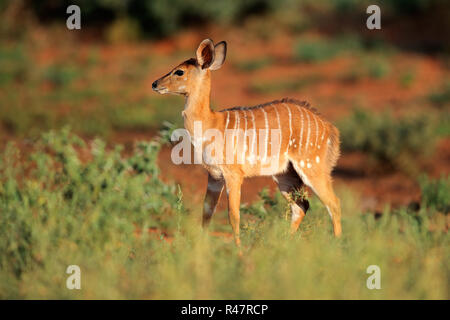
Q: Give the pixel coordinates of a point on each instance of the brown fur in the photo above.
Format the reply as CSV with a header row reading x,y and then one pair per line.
x,y
309,145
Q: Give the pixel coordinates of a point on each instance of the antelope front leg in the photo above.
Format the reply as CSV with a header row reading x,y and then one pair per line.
x,y
213,192
234,200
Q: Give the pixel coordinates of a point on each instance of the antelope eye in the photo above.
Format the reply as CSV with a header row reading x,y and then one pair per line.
x,y
179,72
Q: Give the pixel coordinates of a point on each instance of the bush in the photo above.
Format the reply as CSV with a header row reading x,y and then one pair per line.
x,y
397,143
72,203
441,97
156,17
55,200
324,49
436,193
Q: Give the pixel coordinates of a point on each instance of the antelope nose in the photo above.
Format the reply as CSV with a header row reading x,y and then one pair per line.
x,y
154,84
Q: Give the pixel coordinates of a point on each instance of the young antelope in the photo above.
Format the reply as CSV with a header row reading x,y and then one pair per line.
x,y
285,139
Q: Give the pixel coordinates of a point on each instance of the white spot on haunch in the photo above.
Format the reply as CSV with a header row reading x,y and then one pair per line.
x,y
308,165
302,164
317,159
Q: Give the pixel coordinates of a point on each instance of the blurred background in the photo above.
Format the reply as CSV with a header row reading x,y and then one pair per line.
x,y
387,90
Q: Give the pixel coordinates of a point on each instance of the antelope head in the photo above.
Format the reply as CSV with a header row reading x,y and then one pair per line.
x,y
190,74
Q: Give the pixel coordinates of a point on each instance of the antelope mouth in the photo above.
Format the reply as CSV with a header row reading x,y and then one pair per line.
x,y
160,90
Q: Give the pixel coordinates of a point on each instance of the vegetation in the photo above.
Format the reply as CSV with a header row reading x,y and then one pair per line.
x,y
158,18
254,64
397,143
72,93
436,193
68,198
441,97
59,209
264,87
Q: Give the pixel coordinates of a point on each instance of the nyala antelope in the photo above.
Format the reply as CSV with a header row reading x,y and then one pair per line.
x,y
308,145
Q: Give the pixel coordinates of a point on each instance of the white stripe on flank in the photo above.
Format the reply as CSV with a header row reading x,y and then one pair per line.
x,y
279,125
245,137
278,117
252,154
317,128
290,126
236,131
266,123
323,129
301,129
309,130
228,120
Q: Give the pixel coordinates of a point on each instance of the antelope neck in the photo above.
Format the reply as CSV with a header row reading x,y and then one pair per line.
x,y
197,105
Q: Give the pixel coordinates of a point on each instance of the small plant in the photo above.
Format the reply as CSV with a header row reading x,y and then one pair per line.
x,y
165,133
441,97
285,85
377,68
300,194
407,78
60,75
315,51
436,193
324,49
254,64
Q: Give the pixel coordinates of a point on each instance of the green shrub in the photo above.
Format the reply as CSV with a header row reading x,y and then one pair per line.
x,y
394,142
54,199
407,78
324,49
14,64
264,87
254,64
60,75
377,67
315,51
441,97
71,202
436,193
367,66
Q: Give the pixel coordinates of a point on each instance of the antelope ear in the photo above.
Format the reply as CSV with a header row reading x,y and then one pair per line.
x,y
205,53
220,52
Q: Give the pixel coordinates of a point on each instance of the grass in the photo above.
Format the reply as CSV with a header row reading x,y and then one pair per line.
x,y
254,64
319,50
396,143
407,78
373,66
80,93
273,86
441,96
58,210
436,193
